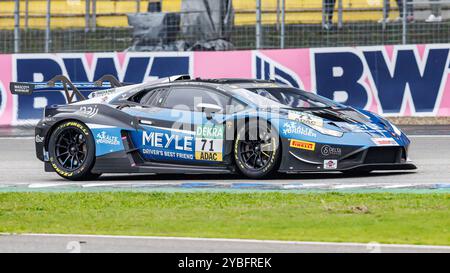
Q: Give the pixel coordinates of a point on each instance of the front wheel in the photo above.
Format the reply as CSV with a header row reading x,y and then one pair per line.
x,y
257,149
72,151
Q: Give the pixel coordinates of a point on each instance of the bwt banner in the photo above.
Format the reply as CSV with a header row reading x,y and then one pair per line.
x,y
408,80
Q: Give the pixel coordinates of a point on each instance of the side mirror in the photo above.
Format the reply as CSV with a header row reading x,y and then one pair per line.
x,y
208,109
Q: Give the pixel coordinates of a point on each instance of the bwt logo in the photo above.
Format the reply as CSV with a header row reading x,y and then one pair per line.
x,y
366,76
135,68
405,77
266,69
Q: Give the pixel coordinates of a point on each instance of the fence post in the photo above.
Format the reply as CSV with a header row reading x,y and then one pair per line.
x,y
340,9
404,23
26,15
283,19
94,16
138,6
17,26
323,14
385,14
87,15
278,15
258,24
47,28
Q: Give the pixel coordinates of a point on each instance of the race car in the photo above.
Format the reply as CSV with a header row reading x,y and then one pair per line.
x,y
255,128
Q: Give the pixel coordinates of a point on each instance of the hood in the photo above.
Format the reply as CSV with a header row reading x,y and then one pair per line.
x,y
346,120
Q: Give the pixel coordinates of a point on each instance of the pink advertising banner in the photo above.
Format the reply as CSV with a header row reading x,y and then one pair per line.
x,y
410,80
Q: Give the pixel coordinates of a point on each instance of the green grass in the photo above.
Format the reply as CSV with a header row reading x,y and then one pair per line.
x,y
381,217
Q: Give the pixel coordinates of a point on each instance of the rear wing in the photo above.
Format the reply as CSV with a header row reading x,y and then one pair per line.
x,y
62,83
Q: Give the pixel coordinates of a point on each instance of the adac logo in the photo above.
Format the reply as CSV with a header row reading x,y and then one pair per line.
x,y
305,118
304,145
265,68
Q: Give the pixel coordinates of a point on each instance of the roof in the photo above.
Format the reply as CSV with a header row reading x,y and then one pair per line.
x,y
231,81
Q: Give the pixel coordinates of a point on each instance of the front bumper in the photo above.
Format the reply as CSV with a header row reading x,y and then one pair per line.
x,y
383,167
330,157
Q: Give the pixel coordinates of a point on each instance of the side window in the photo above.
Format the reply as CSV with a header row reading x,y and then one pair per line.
x,y
184,98
157,98
149,97
235,106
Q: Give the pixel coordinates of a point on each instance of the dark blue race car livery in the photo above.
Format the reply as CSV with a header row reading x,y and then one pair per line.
x,y
181,125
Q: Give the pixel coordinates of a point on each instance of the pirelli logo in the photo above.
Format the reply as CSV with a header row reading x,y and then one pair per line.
x,y
304,145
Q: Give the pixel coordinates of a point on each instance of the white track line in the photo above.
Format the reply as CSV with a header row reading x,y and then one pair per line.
x,y
18,137
428,136
286,186
224,240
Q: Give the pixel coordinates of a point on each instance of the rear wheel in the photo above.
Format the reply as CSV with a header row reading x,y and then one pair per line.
x,y
72,151
257,149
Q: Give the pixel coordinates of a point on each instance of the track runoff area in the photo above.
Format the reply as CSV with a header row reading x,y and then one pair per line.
x,y
430,151
21,172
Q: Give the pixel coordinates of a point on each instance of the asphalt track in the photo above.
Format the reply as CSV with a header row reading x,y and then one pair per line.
x,y
430,151
91,243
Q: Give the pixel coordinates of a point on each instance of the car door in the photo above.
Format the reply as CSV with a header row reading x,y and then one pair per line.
x,y
175,130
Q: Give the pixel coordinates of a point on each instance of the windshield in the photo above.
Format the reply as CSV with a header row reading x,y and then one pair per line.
x,y
294,98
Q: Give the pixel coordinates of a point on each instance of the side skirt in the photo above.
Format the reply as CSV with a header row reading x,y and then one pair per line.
x,y
119,162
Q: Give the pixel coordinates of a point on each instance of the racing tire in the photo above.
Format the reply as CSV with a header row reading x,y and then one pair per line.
x,y
257,149
72,151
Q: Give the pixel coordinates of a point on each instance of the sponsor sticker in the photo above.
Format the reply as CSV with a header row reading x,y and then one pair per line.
x,y
103,93
363,128
305,118
384,141
39,139
330,164
209,142
105,138
210,131
304,145
298,129
210,156
327,150
88,111
21,88
165,143
261,85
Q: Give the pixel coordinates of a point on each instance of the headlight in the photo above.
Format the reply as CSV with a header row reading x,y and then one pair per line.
x,y
396,130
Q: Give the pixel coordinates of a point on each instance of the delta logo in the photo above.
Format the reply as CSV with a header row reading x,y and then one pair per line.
x,y
304,145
